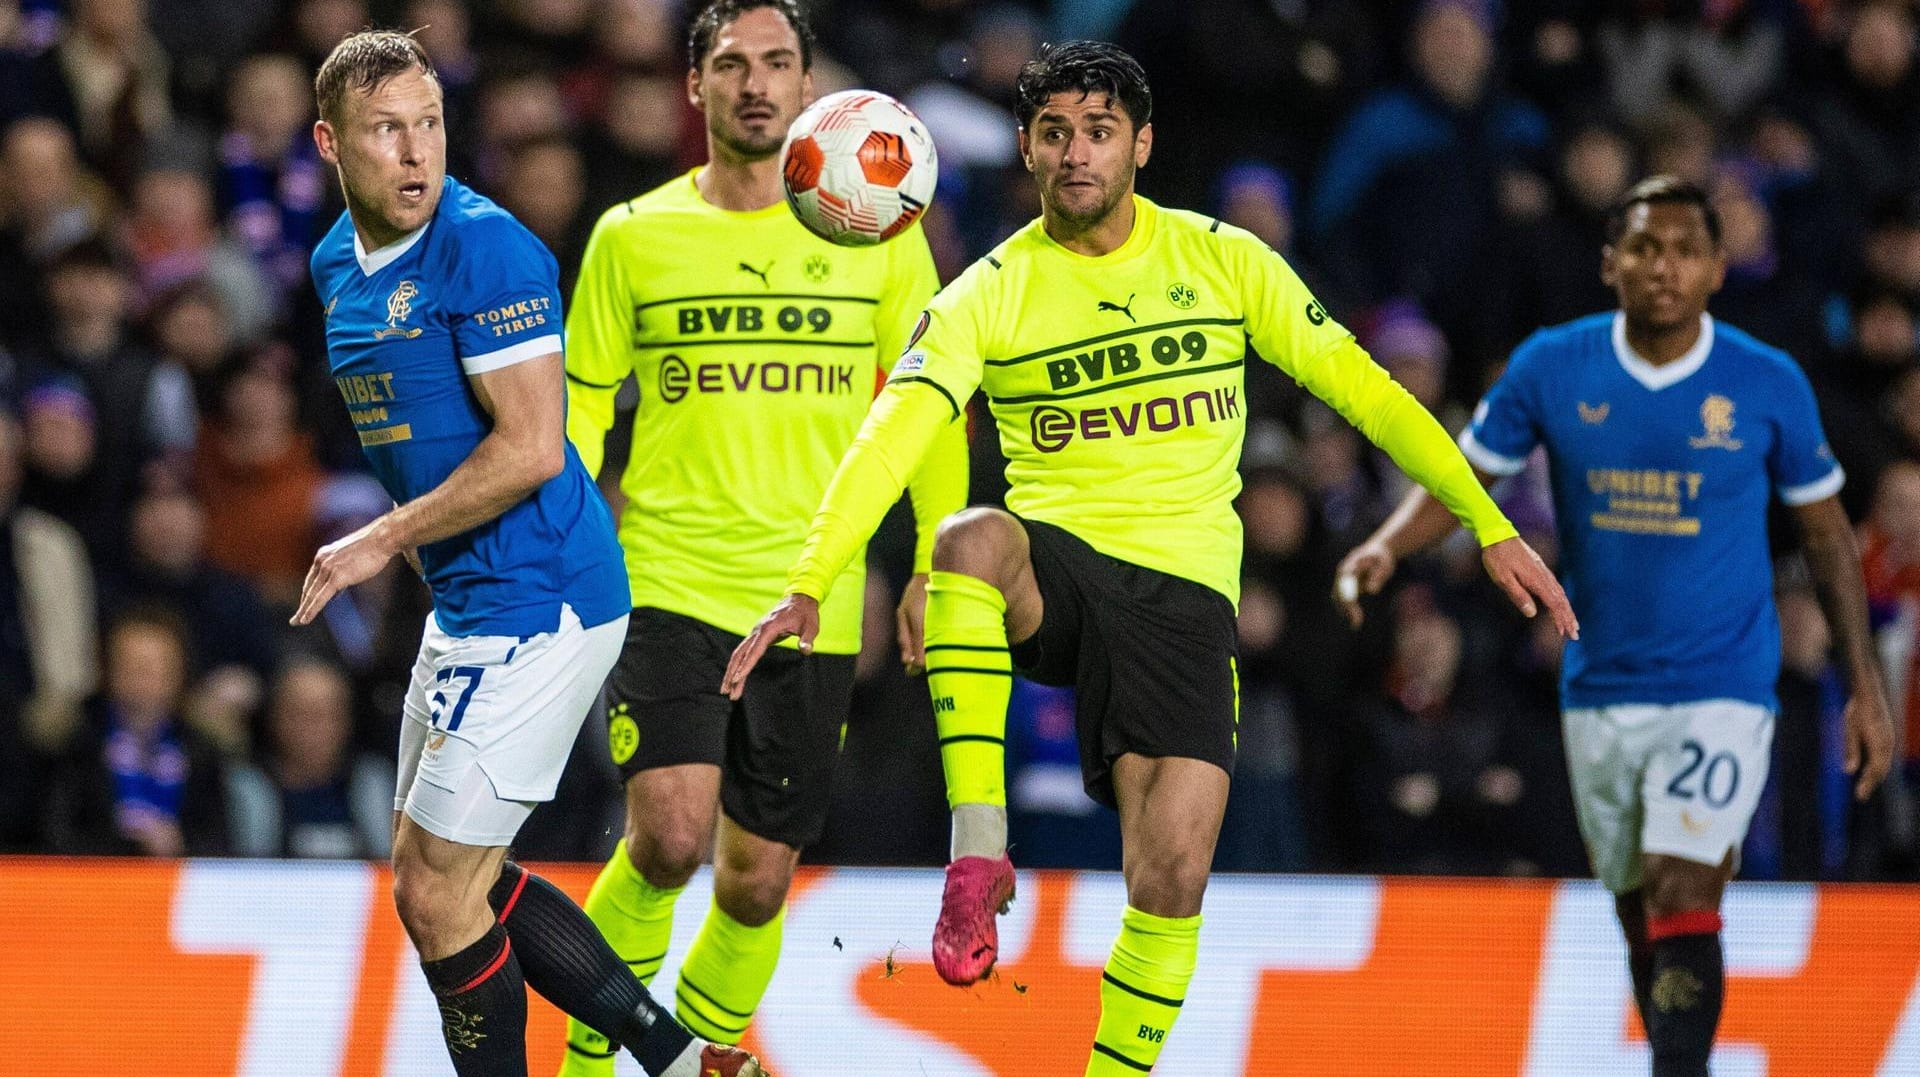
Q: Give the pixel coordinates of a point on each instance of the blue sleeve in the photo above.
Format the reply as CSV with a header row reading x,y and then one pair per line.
x,y
1504,431
1801,465
508,291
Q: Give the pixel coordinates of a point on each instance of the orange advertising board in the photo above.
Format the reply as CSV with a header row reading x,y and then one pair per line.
x,y
284,969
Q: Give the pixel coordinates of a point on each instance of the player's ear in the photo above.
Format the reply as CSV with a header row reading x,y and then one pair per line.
x,y
1609,272
1142,145
323,140
693,89
1026,148
806,88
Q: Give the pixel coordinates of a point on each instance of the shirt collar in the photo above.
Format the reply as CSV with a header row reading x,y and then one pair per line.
x,y
1660,377
374,261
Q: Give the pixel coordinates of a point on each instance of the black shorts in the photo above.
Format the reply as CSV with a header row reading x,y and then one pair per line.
x,y
1151,657
775,748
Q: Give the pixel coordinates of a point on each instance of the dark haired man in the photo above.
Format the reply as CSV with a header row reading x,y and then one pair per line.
x,y
443,318
732,449
1667,433
1109,336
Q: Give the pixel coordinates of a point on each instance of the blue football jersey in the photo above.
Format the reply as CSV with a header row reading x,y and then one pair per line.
x,y
1661,481
470,292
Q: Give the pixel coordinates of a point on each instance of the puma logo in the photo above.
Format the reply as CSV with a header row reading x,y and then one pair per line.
x,y
761,273
1126,308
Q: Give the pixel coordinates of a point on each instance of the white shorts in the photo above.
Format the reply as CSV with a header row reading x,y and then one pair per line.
x,y
489,722
1678,779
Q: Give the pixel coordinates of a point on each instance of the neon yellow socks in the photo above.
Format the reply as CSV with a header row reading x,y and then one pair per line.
x,y
726,974
970,675
637,919
1141,991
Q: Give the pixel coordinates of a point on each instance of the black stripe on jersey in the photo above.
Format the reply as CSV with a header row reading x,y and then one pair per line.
x,y
584,1053
943,389
790,341
992,261
966,738
817,297
591,384
1134,331
1035,398
1216,225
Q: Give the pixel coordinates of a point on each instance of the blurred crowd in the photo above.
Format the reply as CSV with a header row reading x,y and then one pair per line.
x,y
172,449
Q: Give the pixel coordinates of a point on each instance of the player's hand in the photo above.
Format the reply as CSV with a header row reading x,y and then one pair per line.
x,y
1364,571
910,620
341,564
1869,739
796,615
1525,578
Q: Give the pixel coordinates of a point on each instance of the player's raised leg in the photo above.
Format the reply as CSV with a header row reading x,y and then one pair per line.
x,y
1170,811
981,593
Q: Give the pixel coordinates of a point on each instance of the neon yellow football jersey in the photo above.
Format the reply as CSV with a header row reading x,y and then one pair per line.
x,y
1116,385
757,348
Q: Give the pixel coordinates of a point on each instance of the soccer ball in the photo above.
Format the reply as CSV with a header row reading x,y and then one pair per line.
x,y
859,168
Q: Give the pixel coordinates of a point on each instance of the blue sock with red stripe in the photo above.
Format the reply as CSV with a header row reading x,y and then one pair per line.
x,y
483,1007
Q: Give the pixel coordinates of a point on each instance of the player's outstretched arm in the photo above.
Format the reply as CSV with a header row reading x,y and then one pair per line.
x,y
525,448
1420,521
891,444
1833,555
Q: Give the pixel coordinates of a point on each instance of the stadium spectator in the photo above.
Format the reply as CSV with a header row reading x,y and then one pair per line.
x,y
174,238
312,795
255,472
1431,787
633,138
545,186
1544,272
272,185
140,410
47,204
1768,296
1286,76
1883,343
228,626
1865,113
137,780
1411,182
115,80
47,641
1723,56
191,331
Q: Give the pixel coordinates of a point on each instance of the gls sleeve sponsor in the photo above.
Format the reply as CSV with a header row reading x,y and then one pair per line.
x,y
1285,323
